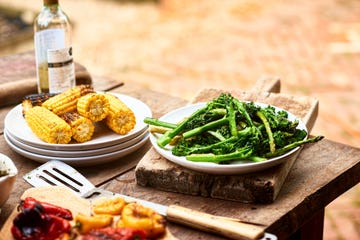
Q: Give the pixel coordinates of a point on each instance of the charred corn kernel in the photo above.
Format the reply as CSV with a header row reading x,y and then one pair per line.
x,y
39,98
137,216
94,106
32,100
121,119
112,206
26,105
85,223
66,101
48,126
82,128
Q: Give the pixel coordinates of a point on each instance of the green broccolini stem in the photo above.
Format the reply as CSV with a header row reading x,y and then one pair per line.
x,y
217,135
268,130
218,111
205,127
293,145
207,148
159,123
244,153
166,137
257,159
231,118
241,107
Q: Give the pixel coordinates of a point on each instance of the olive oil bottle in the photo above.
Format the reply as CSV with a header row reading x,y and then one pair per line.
x,y
53,50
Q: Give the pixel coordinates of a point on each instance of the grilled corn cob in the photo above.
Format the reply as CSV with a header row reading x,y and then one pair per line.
x,y
94,106
121,119
47,125
32,100
82,128
66,101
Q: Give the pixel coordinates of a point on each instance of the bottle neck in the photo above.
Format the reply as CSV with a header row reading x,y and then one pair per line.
x,y
51,2
52,6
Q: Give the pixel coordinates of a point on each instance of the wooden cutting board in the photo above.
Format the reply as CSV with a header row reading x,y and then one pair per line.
x,y
56,195
60,196
259,187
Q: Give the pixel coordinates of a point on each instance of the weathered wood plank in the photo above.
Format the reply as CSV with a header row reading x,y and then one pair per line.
x,y
267,84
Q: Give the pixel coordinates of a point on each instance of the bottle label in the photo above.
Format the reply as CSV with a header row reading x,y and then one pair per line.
x,y
61,70
48,39
44,40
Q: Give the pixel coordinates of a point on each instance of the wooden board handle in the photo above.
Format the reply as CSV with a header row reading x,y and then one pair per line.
x,y
211,223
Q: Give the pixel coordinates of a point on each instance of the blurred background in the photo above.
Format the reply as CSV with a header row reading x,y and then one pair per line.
x,y
181,46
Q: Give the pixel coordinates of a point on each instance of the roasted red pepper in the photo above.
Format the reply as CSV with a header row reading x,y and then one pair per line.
x,y
48,208
40,221
33,223
115,234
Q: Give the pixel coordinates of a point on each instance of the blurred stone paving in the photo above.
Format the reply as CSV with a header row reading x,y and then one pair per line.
x,y
179,47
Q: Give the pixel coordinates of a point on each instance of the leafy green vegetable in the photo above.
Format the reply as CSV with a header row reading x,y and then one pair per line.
x,y
227,129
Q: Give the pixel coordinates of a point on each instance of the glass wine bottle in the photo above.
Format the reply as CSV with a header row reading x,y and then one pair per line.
x,y
53,50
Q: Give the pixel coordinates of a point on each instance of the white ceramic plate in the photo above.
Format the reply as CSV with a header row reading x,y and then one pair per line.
x,y
79,161
238,167
103,137
81,153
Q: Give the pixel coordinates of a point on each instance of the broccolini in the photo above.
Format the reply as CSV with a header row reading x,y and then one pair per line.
x,y
227,129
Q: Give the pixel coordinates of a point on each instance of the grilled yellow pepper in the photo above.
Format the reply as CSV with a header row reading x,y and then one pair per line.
x,y
85,223
137,216
112,206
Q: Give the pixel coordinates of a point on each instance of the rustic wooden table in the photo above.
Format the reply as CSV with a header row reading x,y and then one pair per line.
x,y
322,172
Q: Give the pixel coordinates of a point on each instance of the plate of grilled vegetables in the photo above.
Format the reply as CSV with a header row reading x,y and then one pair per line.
x,y
228,136
78,124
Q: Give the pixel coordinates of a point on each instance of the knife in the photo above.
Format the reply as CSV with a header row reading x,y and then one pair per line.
x,y
57,173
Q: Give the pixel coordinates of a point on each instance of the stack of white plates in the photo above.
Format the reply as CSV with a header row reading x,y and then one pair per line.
x,y
104,146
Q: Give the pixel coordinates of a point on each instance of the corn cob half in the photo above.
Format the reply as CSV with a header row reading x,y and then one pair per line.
x,y
94,106
82,128
48,126
32,100
66,101
121,119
